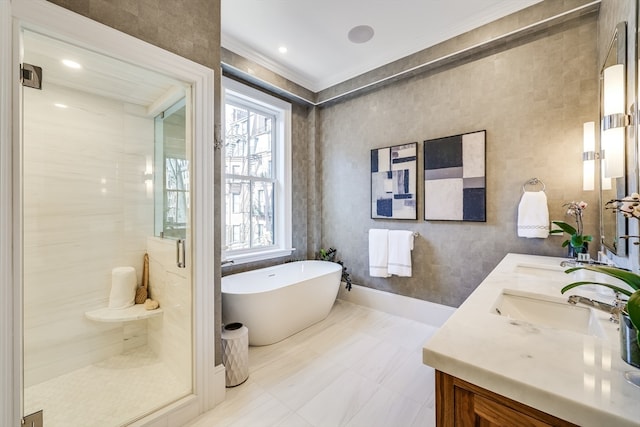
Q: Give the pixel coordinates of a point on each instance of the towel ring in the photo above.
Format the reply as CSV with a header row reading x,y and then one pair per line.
x,y
533,181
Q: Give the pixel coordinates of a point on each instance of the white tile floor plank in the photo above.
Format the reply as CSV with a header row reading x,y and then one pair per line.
x,y
386,408
357,368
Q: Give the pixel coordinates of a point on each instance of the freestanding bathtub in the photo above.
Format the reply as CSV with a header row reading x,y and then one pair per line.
x,y
277,302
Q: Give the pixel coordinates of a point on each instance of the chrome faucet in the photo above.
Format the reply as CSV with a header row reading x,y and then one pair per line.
x,y
578,263
614,309
568,263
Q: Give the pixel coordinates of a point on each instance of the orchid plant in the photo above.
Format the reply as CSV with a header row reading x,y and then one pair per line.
x,y
629,206
577,239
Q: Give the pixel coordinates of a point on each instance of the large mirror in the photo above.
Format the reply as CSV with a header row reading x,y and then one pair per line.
x,y
613,140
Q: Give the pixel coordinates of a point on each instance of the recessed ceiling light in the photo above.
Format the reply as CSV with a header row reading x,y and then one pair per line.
x,y
282,49
71,64
361,34
57,104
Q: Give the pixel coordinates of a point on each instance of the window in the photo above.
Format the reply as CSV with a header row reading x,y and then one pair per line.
x,y
257,174
176,192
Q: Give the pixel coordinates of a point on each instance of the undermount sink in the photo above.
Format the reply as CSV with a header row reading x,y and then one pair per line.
x,y
539,270
547,311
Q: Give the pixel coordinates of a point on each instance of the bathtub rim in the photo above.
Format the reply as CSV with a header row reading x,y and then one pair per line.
x,y
330,269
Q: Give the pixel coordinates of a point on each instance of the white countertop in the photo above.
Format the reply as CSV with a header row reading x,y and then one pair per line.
x,y
573,376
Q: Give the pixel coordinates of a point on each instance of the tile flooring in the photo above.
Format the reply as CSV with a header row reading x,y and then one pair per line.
x,y
106,394
358,367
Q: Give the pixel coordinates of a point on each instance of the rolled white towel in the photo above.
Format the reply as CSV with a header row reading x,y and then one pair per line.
x,y
123,287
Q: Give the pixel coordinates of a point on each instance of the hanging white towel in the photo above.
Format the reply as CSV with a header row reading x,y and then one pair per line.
x,y
378,252
533,215
400,247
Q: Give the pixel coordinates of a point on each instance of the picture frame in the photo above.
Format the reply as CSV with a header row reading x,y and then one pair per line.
x,y
394,182
455,178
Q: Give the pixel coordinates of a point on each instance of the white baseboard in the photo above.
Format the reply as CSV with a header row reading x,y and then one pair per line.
x,y
411,308
219,384
172,415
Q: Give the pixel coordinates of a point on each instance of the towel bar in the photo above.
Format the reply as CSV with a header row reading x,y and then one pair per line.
x,y
415,234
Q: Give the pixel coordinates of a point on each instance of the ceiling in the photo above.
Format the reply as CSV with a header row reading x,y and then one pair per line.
x,y
319,53
100,74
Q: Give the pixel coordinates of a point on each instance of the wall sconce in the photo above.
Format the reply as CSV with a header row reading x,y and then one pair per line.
x,y
147,177
614,121
589,156
604,181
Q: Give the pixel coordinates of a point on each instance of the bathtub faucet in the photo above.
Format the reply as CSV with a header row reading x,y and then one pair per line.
x,y
226,262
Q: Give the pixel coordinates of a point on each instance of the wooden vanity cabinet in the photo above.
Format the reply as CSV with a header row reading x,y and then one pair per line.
x,y
462,404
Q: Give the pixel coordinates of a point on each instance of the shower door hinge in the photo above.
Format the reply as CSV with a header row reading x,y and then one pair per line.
x,y
33,420
31,76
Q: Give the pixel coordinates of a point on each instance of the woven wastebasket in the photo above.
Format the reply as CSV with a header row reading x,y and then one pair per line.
x,y
235,353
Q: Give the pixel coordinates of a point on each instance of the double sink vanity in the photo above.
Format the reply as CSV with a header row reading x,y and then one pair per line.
x,y
517,353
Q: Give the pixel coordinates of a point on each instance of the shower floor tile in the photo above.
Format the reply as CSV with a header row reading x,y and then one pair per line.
x,y
357,368
114,391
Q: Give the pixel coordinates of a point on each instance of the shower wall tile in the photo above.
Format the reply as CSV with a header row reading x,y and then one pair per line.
x,y
169,335
531,96
134,335
86,211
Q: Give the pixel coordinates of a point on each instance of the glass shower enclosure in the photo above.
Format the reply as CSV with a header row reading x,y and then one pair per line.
x,y
105,181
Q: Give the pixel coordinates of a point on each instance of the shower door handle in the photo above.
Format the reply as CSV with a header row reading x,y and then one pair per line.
x,y
180,253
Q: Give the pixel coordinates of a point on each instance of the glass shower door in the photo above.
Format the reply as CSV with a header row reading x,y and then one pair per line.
x,y
88,212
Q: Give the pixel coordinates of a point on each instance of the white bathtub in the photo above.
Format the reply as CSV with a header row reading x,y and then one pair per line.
x,y
277,302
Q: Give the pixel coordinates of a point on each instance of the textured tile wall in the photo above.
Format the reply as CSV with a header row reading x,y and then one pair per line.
x,y
189,28
531,97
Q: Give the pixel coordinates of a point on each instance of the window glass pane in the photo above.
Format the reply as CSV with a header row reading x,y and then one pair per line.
x,y
248,142
236,139
237,224
177,174
262,214
261,146
176,196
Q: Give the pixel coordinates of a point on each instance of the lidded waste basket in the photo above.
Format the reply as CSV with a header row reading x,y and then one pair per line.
x,y
235,353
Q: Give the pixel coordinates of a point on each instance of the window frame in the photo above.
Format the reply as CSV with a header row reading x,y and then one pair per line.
x,y
282,187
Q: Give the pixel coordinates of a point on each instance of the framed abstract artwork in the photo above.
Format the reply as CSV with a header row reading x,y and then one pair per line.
x,y
454,178
394,182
